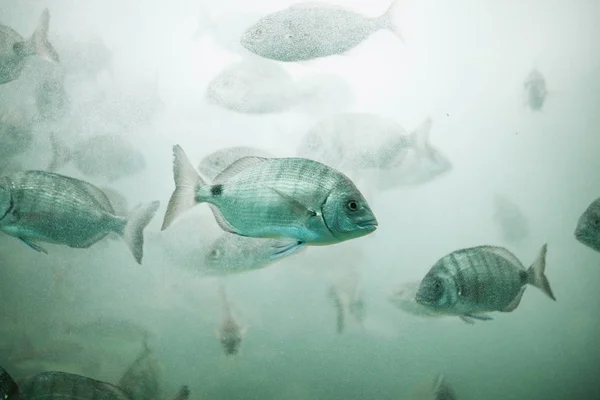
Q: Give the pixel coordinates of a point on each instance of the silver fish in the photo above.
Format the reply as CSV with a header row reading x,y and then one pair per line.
x,y
310,30
47,207
587,231
470,282
535,85
141,381
15,133
388,155
230,334
510,220
14,50
109,156
214,163
300,201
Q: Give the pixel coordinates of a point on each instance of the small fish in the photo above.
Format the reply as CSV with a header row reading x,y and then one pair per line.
x,y
510,220
47,207
535,85
16,134
307,31
300,201
109,156
470,282
214,163
14,50
442,389
141,381
587,231
230,334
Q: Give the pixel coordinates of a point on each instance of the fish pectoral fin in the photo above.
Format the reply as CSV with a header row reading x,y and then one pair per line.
x,y
515,303
34,246
481,317
283,248
296,206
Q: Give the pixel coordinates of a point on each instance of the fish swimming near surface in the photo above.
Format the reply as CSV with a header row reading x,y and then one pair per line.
x,y
587,231
230,333
214,163
14,49
300,201
535,85
47,207
311,30
473,281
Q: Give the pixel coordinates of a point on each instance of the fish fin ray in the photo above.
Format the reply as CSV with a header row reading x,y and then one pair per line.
x,y
467,320
284,248
39,40
296,206
34,246
133,232
536,275
236,167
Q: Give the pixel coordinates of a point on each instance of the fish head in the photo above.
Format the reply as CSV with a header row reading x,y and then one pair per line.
x,y
8,387
347,213
272,37
588,226
436,291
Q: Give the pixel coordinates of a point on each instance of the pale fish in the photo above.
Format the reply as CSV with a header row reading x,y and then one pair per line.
x,y
535,86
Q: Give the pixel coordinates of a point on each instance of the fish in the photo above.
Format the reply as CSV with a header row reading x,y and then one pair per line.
x,y
108,156
14,49
510,220
85,58
230,334
474,281
306,31
403,298
442,389
300,201
535,85
48,207
16,132
389,156
51,98
587,231
214,163
348,299
141,381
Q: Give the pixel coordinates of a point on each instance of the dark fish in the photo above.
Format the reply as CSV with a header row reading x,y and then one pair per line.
x,y
52,208
14,50
535,85
476,280
141,381
587,231
230,334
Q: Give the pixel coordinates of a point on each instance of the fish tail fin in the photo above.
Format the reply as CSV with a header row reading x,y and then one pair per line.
x,y
38,43
133,232
536,276
419,138
187,181
61,154
386,21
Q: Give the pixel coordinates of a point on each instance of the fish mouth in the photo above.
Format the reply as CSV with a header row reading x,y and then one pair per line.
x,y
368,224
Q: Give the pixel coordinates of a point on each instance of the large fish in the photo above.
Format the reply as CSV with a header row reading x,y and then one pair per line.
x,y
300,201
310,30
14,50
47,207
471,282
587,231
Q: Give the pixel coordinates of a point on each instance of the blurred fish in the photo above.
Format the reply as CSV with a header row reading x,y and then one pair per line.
x,y
294,199
115,328
85,58
211,165
50,96
348,300
510,220
47,207
14,50
388,155
535,85
15,133
476,280
141,381
109,156
587,231
404,298
442,389
306,31
230,334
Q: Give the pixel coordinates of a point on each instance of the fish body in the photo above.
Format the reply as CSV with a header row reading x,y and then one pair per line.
x,y
442,389
47,207
587,231
51,99
535,85
141,381
230,333
15,133
300,200
510,220
14,50
473,281
214,163
307,31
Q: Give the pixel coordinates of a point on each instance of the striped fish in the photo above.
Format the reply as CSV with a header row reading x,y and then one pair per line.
x,y
470,282
52,208
294,199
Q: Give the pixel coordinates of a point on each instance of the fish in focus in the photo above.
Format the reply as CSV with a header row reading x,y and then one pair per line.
x,y
535,85
388,156
587,231
307,31
300,201
473,281
16,134
141,381
14,49
211,165
47,207
510,220
108,156
230,333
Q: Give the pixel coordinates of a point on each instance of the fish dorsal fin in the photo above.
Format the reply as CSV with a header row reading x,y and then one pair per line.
x,y
515,303
236,167
222,221
507,255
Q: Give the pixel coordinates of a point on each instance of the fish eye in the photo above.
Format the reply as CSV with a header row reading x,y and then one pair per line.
x,y
353,205
216,253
